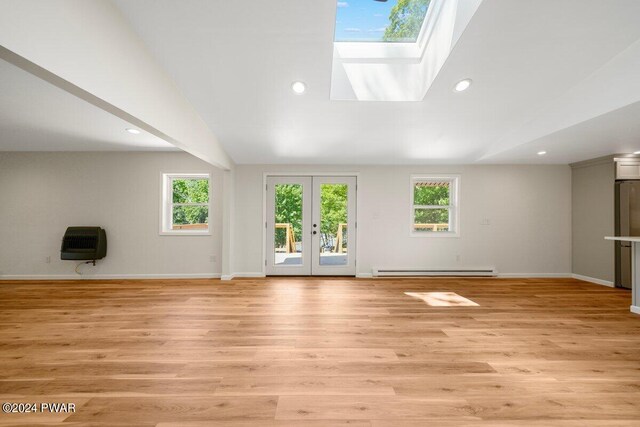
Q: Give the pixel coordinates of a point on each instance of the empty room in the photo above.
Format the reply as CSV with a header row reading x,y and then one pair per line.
x,y
368,213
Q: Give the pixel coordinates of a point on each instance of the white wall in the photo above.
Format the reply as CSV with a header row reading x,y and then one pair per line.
x,y
529,209
43,193
593,211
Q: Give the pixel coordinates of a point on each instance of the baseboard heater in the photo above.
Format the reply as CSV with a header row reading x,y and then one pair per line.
x,y
419,272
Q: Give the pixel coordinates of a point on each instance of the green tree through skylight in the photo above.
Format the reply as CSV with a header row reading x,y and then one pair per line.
x,y
405,20
377,21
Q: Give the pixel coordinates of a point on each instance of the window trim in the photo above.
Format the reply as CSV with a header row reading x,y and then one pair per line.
x,y
454,205
166,204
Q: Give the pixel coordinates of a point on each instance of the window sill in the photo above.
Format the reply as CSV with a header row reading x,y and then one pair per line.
x,y
185,233
437,234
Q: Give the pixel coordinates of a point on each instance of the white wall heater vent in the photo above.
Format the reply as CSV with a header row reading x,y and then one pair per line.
x,y
419,272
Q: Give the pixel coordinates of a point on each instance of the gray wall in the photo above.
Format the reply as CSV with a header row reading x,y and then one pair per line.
x,y
592,207
529,209
43,193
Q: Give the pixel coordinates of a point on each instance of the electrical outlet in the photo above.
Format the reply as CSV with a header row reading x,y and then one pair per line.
x,y
485,221
47,260
212,258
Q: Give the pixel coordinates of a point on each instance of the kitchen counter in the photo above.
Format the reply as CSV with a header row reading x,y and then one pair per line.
x,y
635,269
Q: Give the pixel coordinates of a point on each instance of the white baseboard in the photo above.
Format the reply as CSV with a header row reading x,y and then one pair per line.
x,y
535,275
593,280
243,275
262,275
109,276
635,309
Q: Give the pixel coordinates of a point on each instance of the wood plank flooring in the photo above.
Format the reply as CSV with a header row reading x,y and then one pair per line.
x,y
320,352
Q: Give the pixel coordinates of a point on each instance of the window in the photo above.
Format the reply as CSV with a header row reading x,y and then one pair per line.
x,y
434,210
185,204
393,50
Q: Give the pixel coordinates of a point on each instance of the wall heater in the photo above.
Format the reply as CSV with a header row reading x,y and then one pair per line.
x,y
84,244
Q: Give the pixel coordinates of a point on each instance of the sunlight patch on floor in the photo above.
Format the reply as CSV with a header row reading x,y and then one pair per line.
x,y
443,299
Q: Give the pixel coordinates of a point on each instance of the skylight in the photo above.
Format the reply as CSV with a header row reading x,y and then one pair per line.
x,y
381,21
393,50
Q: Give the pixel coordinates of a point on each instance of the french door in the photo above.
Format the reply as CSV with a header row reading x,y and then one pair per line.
x,y
311,226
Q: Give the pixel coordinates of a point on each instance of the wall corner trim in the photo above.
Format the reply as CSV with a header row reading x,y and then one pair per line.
x,y
245,275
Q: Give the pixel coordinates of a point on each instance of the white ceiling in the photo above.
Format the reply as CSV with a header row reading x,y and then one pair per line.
x,y
37,116
235,62
560,76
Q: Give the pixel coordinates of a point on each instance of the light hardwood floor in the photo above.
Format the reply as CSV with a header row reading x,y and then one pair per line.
x,y
321,352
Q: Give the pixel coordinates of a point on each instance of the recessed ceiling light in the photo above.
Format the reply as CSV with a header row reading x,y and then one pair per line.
x,y
636,152
462,85
298,87
542,153
133,131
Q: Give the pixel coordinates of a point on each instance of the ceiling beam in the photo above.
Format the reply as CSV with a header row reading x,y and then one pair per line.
x,y
87,48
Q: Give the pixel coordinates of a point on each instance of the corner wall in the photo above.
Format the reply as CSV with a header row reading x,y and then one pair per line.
x,y
528,208
593,210
44,193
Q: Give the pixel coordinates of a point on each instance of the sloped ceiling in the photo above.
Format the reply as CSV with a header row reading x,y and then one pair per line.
x,y
538,67
37,116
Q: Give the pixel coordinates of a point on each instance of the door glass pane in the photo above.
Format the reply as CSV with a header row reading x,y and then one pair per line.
x,y
288,227
431,220
333,224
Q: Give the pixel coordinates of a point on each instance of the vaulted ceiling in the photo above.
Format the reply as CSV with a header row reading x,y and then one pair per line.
x,y
547,75
559,76
37,116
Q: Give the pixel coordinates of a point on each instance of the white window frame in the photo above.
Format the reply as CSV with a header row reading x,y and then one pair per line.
x,y
454,205
166,205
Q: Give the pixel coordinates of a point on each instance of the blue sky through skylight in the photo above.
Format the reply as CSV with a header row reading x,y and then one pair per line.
x,y
366,21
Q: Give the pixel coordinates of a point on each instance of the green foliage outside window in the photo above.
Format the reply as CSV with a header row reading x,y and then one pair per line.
x,y
431,216
191,191
405,20
288,211
333,210
431,196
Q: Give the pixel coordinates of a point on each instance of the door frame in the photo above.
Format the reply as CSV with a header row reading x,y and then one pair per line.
x,y
265,175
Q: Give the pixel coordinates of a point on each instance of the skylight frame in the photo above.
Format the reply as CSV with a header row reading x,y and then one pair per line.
x,y
400,71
